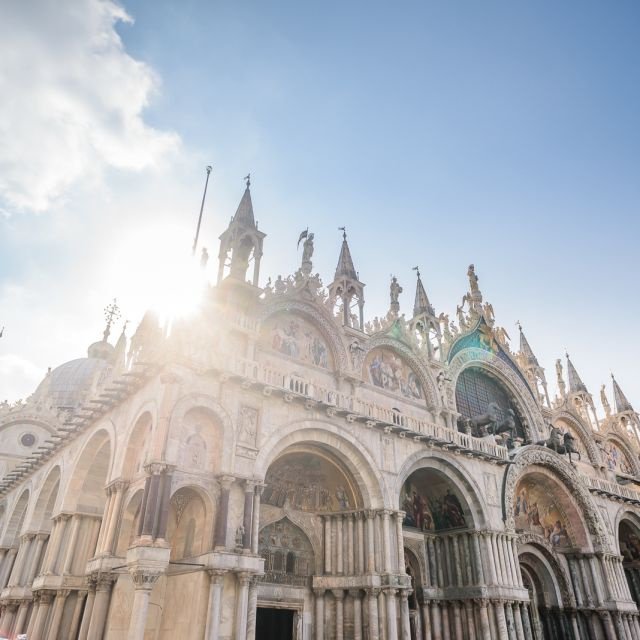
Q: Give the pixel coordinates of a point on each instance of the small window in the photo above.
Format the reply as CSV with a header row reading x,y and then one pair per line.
x,y
27,440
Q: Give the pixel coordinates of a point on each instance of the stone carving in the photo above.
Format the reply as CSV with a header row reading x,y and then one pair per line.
x,y
248,425
240,537
180,501
605,401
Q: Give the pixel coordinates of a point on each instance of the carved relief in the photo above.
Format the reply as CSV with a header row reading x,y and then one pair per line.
x,y
248,426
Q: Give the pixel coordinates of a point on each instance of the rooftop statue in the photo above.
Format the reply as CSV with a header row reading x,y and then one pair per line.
x,y
473,279
395,290
605,401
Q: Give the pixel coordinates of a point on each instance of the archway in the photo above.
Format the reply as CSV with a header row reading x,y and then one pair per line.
x,y
629,541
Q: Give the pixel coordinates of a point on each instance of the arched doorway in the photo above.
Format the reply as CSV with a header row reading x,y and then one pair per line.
x,y
629,541
311,506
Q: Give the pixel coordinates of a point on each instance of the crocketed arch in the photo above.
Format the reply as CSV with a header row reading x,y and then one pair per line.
x,y
320,318
14,526
346,449
200,402
526,406
428,384
585,435
41,518
464,483
566,476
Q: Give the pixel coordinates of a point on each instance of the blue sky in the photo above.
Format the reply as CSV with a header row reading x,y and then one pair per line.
x,y
500,133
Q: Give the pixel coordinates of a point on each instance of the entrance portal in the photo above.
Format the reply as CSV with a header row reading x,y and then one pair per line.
x,y
274,623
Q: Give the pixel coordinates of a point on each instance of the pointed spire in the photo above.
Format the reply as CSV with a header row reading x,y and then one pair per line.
x,y
421,304
244,213
575,382
620,400
345,266
525,348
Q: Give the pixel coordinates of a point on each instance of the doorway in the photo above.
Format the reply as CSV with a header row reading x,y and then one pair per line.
x,y
274,623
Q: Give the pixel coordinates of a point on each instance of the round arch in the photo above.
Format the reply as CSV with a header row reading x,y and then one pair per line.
x,y
46,501
564,475
586,436
344,447
92,468
128,524
132,459
189,527
464,483
320,318
621,441
428,384
533,421
16,521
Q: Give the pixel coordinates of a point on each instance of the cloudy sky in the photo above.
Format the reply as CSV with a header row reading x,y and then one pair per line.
x,y
440,134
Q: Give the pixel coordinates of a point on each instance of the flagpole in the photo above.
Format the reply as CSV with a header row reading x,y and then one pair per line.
x,y
204,195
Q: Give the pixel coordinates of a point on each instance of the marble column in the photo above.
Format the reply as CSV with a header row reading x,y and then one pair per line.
x,y
607,623
216,581
371,552
108,510
382,616
446,622
492,575
20,625
526,622
338,595
337,523
471,621
356,596
56,616
100,606
501,620
41,538
597,581
73,542
8,615
436,620
511,627
255,527
143,582
585,582
426,620
457,565
328,552
242,603
575,579
431,563
457,620
220,538
319,621
350,546
18,566
7,567
77,611
477,558
386,541
392,614
400,540
372,608
360,537
252,608
88,610
41,616
405,629
514,549
247,518
118,487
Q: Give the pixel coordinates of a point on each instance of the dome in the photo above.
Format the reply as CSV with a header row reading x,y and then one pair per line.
x,y
66,386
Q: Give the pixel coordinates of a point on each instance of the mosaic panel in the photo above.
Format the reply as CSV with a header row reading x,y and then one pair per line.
x,y
629,543
387,370
615,458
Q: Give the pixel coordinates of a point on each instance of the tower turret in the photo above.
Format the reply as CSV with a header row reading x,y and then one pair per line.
x,y
580,397
346,291
424,322
534,372
625,414
241,242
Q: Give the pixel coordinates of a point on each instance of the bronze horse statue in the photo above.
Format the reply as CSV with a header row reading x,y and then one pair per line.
x,y
561,443
489,423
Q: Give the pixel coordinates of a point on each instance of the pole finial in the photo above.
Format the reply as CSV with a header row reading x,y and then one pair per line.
x,y
417,270
344,232
247,179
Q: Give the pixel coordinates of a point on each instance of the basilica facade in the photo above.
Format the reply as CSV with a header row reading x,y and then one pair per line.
x,y
278,466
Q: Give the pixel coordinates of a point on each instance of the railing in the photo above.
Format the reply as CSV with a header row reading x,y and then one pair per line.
x,y
369,411
613,488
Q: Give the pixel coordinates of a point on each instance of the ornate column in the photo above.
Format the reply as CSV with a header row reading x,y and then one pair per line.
x,y
216,582
372,606
609,630
386,540
595,575
491,575
255,527
577,587
350,545
457,620
585,582
457,566
8,615
106,518
357,613
7,566
100,605
338,595
446,622
252,608
242,602
21,619
88,609
526,623
337,522
327,544
319,621
220,539
73,541
405,630
431,563
77,610
18,567
436,620
56,616
511,629
426,619
143,582
371,552
43,611
477,558
359,517
514,551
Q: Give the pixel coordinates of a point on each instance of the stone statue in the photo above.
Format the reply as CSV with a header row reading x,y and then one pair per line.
x,y
461,319
307,248
473,279
204,258
561,385
502,336
280,285
394,290
240,536
489,316
605,401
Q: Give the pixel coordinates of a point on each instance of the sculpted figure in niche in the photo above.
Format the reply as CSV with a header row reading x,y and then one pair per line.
x,y
248,425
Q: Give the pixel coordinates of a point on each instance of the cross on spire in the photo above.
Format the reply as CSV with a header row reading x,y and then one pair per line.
x,y
111,314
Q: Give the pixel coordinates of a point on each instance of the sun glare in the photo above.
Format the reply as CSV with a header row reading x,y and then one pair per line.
x,y
155,270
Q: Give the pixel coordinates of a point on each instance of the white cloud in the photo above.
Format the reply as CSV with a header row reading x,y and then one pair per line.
x,y
72,100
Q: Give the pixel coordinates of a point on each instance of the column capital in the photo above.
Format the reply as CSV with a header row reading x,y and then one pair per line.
x,y
104,581
143,579
249,485
46,597
338,594
391,591
157,468
370,514
119,484
400,515
225,481
42,536
244,578
26,537
318,591
354,593
481,602
62,593
216,576
404,594
373,592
